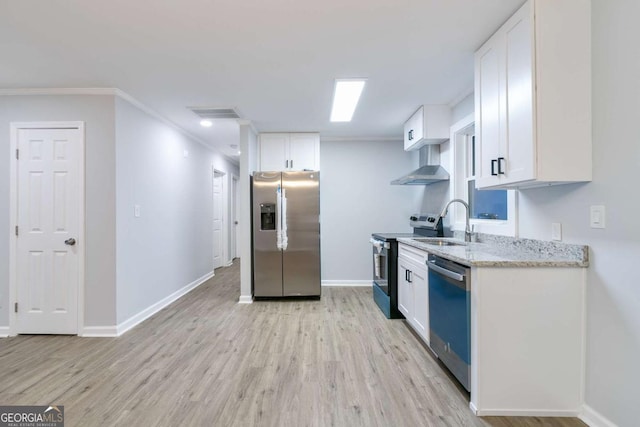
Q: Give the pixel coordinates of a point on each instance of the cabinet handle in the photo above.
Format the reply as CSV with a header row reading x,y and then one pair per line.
x,y
500,160
493,167
410,134
286,164
406,276
410,276
291,163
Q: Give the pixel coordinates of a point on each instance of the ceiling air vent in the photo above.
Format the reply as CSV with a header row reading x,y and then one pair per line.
x,y
215,113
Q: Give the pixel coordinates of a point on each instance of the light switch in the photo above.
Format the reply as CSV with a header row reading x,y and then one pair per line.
x,y
556,231
136,211
597,216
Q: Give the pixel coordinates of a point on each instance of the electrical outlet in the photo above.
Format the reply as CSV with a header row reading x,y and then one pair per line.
x,y
556,231
597,217
136,211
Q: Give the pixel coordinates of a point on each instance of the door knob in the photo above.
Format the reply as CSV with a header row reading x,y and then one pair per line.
x,y
70,241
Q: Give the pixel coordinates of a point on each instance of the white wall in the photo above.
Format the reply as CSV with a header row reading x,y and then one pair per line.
x,y
356,199
613,308
171,244
248,163
98,114
462,109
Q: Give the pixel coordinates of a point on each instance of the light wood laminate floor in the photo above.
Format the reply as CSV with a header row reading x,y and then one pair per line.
x,y
208,361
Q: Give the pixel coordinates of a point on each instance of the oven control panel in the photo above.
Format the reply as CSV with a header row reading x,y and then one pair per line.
x,y
424,220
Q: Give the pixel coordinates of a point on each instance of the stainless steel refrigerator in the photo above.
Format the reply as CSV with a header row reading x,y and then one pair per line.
x,y
286,234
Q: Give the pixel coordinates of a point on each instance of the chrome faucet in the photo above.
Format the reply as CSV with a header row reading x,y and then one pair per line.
x,y
467,228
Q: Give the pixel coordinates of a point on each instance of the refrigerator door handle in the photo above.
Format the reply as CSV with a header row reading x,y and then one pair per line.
x,y
285,233
278,219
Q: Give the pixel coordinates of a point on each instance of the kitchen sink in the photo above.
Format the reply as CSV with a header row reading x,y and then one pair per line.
x,y
438,242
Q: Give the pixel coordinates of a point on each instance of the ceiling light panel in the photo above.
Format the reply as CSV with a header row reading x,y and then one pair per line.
x,y
346,95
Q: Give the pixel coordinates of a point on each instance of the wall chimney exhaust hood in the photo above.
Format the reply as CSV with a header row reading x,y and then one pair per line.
x,y
429,173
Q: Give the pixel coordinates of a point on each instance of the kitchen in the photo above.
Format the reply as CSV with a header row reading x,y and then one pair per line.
x,y
350,213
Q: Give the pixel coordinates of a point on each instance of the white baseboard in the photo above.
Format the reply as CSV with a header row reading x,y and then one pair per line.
x,y
593,418
136,319
524,413
350,283
99,331
245,299
473,408
4,331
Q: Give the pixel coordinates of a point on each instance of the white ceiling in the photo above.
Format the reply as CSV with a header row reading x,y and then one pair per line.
x,y
273,60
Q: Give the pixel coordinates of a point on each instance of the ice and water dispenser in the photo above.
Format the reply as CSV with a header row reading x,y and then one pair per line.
x,y
267,216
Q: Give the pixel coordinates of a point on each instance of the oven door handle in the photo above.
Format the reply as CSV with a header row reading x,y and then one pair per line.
x,y
447,273
378,244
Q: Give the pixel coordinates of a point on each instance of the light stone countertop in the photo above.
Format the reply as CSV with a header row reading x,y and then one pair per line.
x,y
499,251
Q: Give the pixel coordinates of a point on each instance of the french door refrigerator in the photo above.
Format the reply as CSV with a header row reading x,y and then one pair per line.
x,y
286,234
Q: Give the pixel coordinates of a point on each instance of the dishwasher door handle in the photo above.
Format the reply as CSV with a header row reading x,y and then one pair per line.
x,y
447,273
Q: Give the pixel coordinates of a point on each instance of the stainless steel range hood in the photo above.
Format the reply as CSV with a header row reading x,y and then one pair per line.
x,y
430,170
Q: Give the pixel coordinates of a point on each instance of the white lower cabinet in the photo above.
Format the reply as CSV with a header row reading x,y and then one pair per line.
x,y
413,289
527,341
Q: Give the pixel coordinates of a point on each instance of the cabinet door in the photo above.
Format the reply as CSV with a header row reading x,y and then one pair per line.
x,y
519,151
489,112
304,151
420,315
414,130
273,151
405,294
417,124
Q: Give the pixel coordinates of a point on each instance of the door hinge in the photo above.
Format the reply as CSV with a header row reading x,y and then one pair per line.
x,y
17,154
16,307
16,230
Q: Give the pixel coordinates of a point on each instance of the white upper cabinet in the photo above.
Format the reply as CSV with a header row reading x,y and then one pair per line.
x,y
429,125
289,151
273,151
533,98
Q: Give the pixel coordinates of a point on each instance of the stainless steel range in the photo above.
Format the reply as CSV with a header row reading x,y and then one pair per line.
x,y
385,260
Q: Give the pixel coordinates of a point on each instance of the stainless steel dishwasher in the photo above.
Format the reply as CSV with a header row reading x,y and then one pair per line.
x,y
450,315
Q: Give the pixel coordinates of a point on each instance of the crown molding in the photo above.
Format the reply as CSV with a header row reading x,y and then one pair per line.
x,y
245,122
60,91
359,139
462,95
107,91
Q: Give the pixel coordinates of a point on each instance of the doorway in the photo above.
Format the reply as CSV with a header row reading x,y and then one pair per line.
x,y
219,207
47,214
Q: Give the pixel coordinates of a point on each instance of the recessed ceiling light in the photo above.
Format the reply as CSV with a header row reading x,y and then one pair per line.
x,y
206,123
345,98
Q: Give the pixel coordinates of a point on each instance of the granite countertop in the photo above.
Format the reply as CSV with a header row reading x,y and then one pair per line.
x,y
499,251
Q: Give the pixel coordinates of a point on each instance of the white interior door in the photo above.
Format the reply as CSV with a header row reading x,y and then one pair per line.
x,y
48,219
218,219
